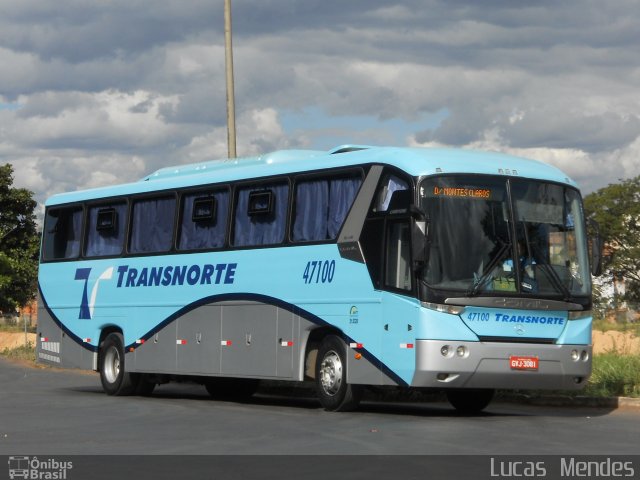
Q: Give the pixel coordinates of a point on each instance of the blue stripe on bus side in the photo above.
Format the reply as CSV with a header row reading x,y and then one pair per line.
x,y
264,299
69,333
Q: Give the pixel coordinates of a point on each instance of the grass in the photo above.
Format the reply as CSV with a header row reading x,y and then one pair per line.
x,y
11,328
16,328
25,353
604,326
614,375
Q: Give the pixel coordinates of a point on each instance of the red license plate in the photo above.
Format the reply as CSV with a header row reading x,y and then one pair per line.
x,y
523,363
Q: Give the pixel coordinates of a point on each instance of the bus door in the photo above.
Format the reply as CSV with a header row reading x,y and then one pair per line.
x,y
387,246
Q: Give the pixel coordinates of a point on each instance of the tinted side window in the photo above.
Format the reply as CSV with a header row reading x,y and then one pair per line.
x,y
152,225
321,205
63,231
398,261
203,221
390,185
261,214
106,229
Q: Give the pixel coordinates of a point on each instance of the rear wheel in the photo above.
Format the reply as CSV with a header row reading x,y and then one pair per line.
x,y
115,380
334,393
470,400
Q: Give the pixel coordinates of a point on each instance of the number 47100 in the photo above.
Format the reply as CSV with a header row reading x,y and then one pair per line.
x,y
319,271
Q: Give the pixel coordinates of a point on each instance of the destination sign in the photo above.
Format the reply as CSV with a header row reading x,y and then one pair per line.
x,y
461,192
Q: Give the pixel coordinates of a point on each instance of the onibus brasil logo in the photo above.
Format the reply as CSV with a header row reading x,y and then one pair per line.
x,y
38,469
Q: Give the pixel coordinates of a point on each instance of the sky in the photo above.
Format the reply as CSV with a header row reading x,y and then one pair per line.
x,y
105,92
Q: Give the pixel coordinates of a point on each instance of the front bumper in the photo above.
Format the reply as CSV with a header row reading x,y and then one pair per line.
x,y
486,365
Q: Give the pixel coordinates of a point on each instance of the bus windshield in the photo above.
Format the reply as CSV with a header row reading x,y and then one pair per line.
x,y
497,236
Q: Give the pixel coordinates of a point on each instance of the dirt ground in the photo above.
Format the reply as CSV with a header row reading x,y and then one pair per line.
x,y
621,342
613,341
13,340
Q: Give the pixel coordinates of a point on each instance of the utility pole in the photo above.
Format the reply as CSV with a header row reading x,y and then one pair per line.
x,y
231,107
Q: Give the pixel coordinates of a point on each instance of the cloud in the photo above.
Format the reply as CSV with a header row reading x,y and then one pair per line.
x,y
106,92
590,171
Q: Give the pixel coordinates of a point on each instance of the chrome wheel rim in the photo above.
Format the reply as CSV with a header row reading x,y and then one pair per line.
x,y
331,373
112,365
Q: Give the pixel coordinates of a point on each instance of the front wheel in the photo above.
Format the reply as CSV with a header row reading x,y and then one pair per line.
x,y
334,393
115,380
470,400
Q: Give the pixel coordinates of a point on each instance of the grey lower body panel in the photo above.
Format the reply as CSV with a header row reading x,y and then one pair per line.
x,y
240,338
487,365
56,347
236,338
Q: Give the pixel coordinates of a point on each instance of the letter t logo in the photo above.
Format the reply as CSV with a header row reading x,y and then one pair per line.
x,y
83,274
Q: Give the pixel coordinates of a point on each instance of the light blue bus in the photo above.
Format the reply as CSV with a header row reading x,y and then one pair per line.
x,y
361,266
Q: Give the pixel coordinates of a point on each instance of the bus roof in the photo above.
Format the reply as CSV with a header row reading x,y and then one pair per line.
x,y
414,161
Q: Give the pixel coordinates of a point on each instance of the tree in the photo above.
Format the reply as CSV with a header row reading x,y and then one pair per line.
x,y
19,244
616,208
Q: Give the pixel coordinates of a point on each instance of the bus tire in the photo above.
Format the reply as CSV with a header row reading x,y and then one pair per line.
x,y
334,393
231,389
470,400
113,376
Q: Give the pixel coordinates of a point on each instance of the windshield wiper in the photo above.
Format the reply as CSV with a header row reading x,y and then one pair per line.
x,y
477,283
553,275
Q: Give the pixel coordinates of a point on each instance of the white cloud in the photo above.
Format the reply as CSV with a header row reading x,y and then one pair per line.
x,y
589,171
106,92
101,121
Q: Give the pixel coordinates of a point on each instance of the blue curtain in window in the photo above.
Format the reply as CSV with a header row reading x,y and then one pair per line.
x,y
106,242
261,229
152,227
322,206
312,205
72,232
206,234
342,194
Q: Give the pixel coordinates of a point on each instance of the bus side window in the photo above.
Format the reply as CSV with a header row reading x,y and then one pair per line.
x,y
106,229
391,184
152,225
203,220
63,229
321,206
398,256
256,224
385,239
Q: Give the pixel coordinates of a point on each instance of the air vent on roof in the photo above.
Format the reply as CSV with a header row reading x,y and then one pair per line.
x,y
347,150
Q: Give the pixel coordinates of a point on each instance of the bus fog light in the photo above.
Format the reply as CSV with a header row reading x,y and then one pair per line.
x,y
584,356
575,356
461,351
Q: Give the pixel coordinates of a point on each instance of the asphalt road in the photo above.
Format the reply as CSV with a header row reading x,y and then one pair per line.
x,y
55,412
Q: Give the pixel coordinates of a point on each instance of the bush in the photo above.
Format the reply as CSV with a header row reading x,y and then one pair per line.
x,y
614,375
26,353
